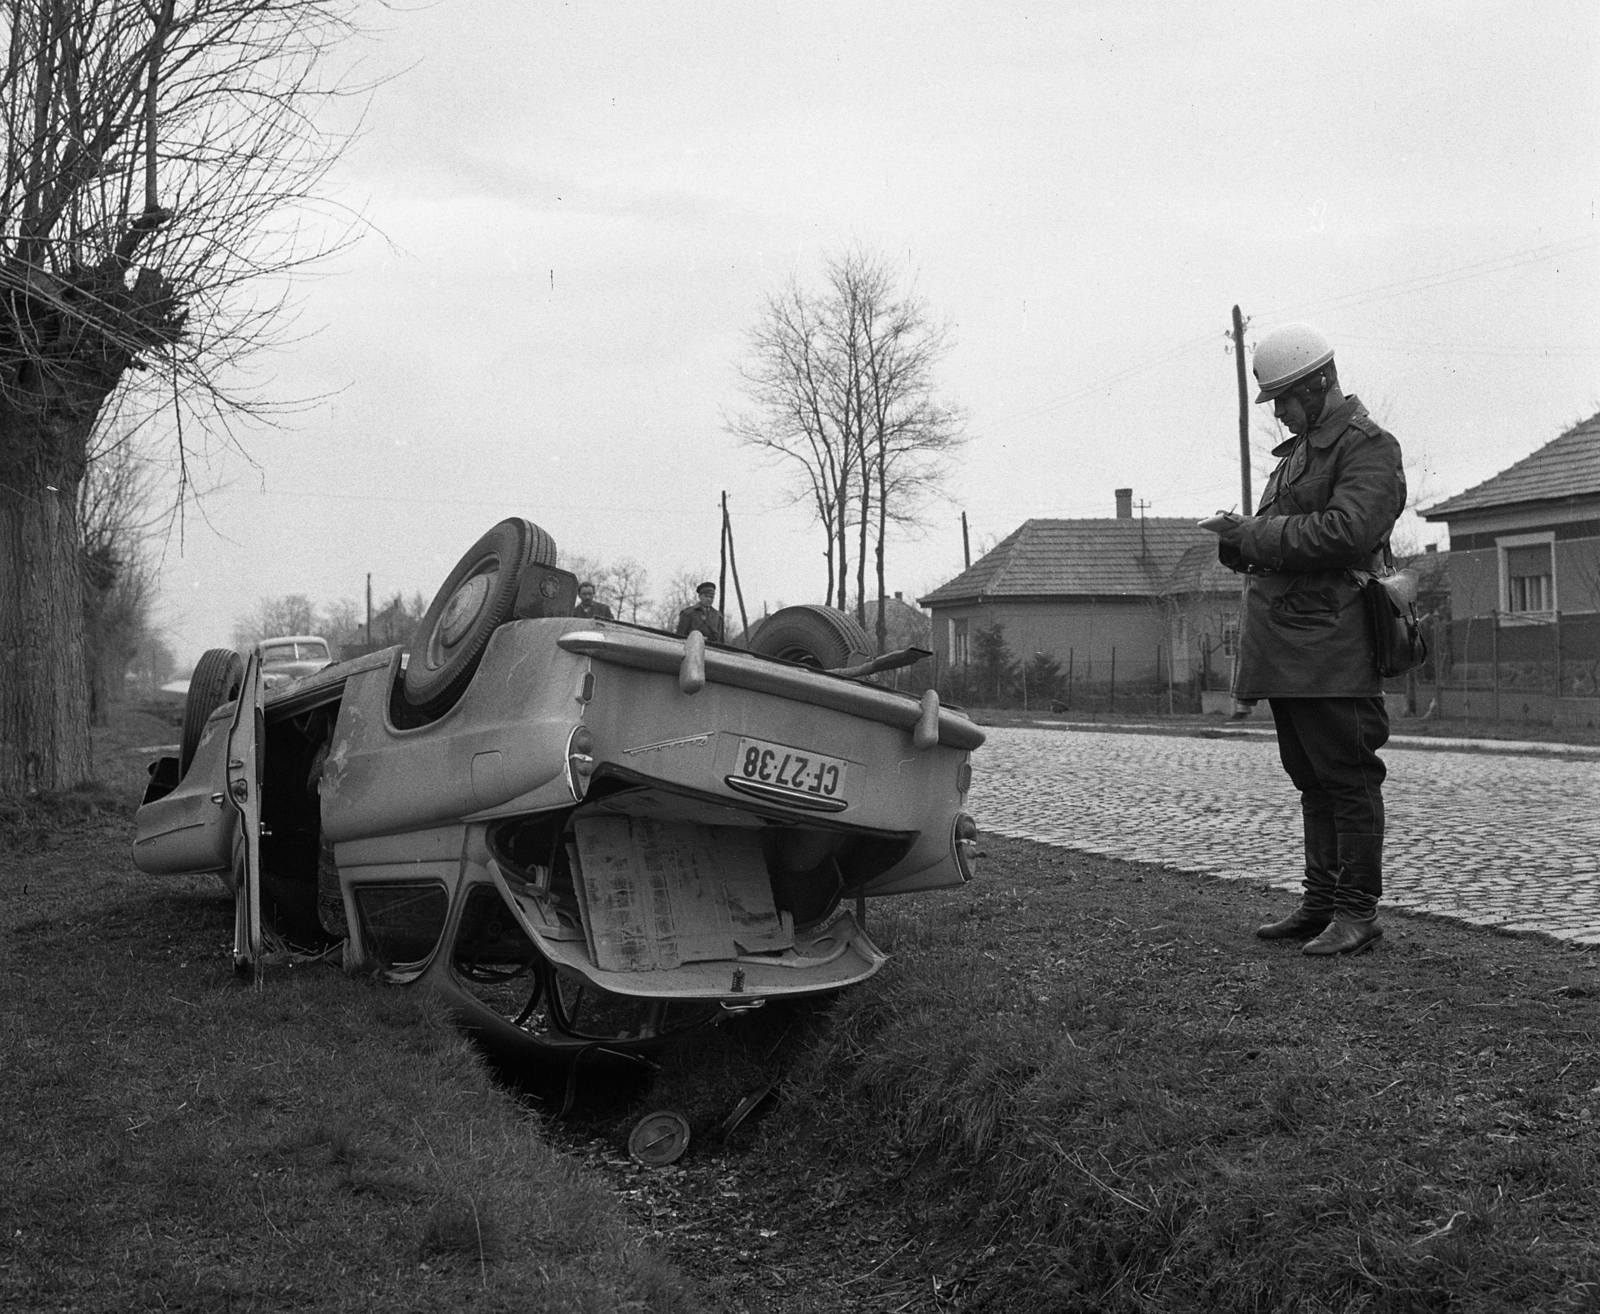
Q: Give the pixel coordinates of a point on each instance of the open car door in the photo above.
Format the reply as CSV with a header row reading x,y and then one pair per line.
x,y
246,740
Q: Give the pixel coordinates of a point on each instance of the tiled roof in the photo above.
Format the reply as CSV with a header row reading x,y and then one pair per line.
x,y
1199,571
1432,570
1103,558
905,625
1565,468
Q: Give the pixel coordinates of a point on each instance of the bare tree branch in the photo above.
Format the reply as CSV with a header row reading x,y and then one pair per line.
x,y
842,385
159,162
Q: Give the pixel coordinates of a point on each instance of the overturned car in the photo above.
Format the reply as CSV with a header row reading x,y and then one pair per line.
x,y
587,835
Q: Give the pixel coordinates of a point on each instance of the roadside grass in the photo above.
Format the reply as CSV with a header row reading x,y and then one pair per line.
x,y
174,1139
1084,1085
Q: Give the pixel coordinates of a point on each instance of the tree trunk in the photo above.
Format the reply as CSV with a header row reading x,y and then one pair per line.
x,y
883,528
844,546
44,693
861,547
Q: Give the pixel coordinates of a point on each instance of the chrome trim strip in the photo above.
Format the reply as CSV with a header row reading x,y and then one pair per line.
x,y
650,652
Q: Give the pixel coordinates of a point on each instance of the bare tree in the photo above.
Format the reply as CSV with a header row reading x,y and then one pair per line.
x,y
627,585
117,573
397,620
843,385
622,584
293,613
152,151
152,664
905,434
801,419
343,622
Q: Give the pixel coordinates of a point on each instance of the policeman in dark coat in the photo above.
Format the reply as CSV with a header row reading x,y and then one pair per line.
x,y
703,616
587,607
1305,641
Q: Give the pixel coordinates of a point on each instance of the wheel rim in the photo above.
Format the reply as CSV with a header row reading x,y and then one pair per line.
x,y
463,610
801,657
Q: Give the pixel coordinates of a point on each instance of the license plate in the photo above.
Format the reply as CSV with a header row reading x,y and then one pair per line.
x,y
775,767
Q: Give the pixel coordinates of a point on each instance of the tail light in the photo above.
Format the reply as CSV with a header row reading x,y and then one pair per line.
x,y
965,844
580,760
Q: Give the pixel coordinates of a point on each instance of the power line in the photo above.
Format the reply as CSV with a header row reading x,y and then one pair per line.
x,y
1444,277
1474,348
1100,385
482,502
1368,296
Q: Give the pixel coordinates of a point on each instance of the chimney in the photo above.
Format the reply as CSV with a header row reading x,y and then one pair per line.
x,y
1431,547
1124,503
898,597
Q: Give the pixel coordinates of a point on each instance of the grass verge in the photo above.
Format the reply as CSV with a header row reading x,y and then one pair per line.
x,y
174,1140
1084,1085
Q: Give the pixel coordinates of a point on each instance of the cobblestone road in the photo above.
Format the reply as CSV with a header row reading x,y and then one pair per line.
x,y
1489,839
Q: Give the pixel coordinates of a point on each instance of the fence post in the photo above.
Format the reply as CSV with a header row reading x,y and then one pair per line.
x,y
1069,679
1112,707
1494,661
1558,654
1439,673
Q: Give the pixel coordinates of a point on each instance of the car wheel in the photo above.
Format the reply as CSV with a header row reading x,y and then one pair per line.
x,y
543,549
215,681
476,598
819,637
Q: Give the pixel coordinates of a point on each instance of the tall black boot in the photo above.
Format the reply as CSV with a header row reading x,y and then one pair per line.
x,y
1355,922
1321,880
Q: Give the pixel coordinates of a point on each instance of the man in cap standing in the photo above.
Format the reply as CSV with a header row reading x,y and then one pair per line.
x,y
703,616
1325,515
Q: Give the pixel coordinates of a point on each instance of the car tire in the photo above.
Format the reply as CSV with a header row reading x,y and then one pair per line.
x,y
215,681
475,599
542,551
819,637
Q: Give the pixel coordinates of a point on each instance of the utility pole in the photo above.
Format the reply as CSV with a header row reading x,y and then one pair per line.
x,y
966,544
722,574
1246,506
369,611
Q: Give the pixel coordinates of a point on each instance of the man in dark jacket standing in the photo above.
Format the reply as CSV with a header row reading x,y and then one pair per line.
x,y
703,615
1305,646
587,607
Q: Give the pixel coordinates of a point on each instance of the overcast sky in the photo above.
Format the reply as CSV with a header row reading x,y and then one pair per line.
x,y
576,212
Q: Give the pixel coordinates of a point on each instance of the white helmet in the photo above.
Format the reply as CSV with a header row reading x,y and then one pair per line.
x,y
1287,355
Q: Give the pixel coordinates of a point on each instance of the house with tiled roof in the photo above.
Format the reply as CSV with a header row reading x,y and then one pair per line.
x,y
1525,575
1141,600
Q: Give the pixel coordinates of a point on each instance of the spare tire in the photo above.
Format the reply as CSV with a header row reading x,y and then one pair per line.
x,y
475,599
216,679
819,637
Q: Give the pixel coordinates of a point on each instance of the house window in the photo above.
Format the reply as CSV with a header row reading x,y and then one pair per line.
x,y
1230,638
958,643
1530,577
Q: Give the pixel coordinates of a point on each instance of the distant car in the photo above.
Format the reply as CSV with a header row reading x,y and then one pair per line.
x,y
291,656
588,835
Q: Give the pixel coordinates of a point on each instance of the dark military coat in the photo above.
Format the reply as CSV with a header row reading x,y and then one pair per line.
x,y
1325,513
707,620
592,610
